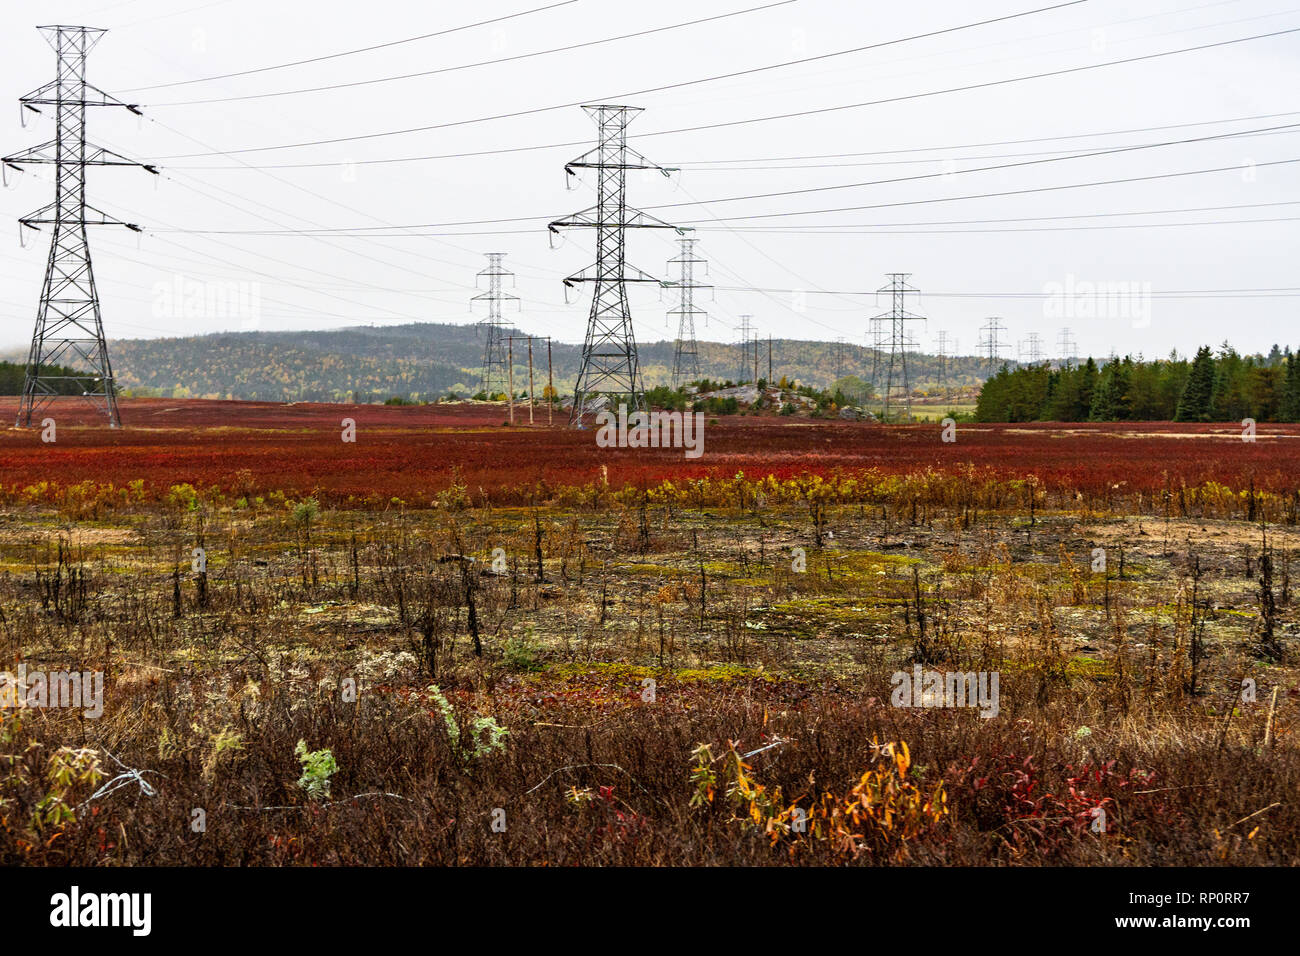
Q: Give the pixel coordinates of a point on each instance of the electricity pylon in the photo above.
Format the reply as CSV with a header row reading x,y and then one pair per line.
x,y
609,357
746,327
942,346
495,368
898,387
686,360
990,343
69,327
876,331
1066,347
1031,349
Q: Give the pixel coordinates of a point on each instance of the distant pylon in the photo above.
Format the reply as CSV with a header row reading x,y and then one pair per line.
x,y
686,360
990,343
609,357
495,362
69,327
941,347
1066,348
876,330
746,327
898,386
1031,349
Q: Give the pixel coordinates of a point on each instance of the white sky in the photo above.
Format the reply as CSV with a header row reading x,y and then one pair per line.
x,y
307,282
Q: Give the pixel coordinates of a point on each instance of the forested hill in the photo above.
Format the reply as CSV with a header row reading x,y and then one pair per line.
x,y
426,360
1223,386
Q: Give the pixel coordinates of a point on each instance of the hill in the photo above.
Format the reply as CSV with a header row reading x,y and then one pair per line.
x,y
424,360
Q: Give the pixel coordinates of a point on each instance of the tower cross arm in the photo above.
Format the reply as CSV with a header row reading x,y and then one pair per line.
x,y
632,219
95,156
593,273
597,158
48,215
48,95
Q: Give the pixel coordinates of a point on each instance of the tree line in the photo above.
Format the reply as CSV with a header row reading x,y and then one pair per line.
x,y
1210,387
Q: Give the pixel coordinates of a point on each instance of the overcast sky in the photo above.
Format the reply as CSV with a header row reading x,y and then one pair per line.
x,y
199,214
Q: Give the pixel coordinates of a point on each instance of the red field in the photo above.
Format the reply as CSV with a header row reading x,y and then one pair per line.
x,y
414,452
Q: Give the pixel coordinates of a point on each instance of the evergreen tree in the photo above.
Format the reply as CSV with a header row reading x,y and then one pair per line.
x,y
1289,410
1194,403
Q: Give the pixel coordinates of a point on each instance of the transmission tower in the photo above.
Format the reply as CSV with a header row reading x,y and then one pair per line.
x,y
898,387
746,327
609,357
686,361
495,367
69,327
875,331
941,346
990,343
1031,349
1066,347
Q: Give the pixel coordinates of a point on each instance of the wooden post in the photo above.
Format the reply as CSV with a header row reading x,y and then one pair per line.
x,y
510,375
550,386
1268,727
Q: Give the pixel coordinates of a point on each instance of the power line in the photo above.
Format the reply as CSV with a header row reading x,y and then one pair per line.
x,y
989,195
364,49
468,66
360,230
707,79
1005,142
1110,151
475,154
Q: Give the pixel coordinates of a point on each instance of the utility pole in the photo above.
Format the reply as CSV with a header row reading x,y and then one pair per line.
x,y
686,362
494,359
769,361
550,386
510,375
609,356
990,344
898,387
532,397
69,326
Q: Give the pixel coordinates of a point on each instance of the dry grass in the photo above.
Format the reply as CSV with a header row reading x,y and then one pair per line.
x,y
1119,689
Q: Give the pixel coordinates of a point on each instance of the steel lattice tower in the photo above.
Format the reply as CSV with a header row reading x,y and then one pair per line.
x,y
876,332
1031,348
746,327
69,327
495,369
609,357
1066,347
990,345
686,361
897,384
942,345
